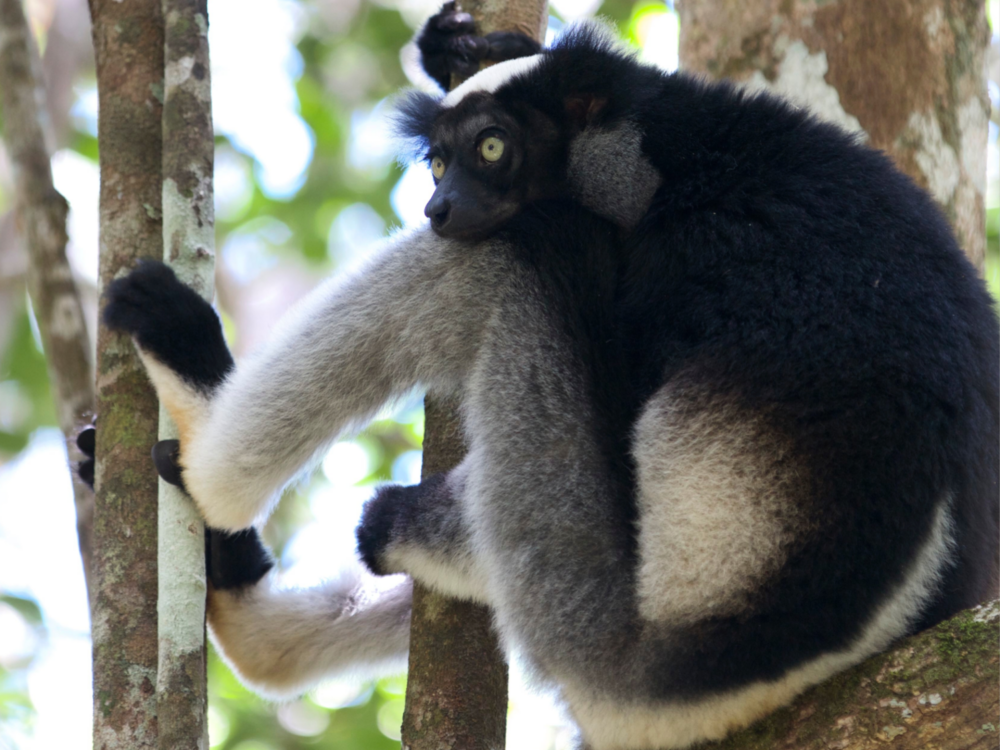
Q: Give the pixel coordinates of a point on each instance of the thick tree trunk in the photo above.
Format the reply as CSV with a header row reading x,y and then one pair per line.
x,y
909,76
188,239
456,693
42,212
128,45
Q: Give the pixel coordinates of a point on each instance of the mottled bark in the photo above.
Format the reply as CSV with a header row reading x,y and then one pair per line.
x,y
41,212
939,690
909,76
456,690
128,46
188,241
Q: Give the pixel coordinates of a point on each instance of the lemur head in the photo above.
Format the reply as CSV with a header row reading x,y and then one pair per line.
x,y
547,126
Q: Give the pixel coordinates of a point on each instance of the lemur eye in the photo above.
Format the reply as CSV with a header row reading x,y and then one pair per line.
x,y
437,167
491,148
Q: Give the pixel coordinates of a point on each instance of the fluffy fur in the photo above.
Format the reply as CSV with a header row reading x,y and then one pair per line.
x,y
718,452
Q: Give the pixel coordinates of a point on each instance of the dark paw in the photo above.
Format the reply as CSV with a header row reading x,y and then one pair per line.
x,y
166,454
235,560
448,45
170,321
375,532
86,441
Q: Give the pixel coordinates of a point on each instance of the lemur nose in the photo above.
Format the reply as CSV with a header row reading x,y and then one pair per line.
x,y
438,210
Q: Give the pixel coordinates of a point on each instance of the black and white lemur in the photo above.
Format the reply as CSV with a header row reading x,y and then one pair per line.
x,y
729,385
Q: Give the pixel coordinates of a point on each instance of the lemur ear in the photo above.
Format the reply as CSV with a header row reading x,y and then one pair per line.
x,y
583,108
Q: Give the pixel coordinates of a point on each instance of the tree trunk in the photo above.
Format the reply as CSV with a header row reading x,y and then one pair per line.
x,y
908,76
456,693
128,46
188,239
42,216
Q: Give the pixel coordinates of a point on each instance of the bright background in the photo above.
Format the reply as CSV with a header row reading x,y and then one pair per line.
x,y
306,183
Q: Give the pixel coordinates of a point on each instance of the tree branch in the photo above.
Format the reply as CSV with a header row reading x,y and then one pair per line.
x,y
42,216
128,49
939,690
188,241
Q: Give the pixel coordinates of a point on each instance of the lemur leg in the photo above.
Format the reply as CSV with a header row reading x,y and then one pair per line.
x,y
415,315
421,530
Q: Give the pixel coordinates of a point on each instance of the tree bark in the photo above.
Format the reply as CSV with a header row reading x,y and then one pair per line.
x,y
188,240
908,76
42,216
939,690
128,46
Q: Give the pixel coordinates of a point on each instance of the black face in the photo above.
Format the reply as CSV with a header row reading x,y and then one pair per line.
x,y
488,162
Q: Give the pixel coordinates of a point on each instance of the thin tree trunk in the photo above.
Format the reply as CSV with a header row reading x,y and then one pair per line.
x,y
909,76
188,240
456,692
42,217
128,46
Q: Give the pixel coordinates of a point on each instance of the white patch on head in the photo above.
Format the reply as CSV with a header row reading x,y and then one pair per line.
x,y
492,78
613,725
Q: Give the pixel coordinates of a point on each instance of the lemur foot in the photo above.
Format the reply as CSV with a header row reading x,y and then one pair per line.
x,y
449,46
235,560
165,457
171,322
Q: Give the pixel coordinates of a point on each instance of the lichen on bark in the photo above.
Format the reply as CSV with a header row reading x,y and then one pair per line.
x,y
128,47
188,239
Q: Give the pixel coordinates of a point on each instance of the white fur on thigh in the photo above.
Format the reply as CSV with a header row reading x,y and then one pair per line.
x,y
612,725
281,642
712,477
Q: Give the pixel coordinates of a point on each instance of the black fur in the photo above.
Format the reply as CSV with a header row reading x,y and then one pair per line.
x,y
393,508
448,45
86,441
170,321
165,459
236,560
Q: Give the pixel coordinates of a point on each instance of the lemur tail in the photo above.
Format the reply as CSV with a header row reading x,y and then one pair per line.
x,y
282,642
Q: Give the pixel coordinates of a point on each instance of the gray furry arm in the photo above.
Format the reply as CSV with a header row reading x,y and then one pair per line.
x,y
414,315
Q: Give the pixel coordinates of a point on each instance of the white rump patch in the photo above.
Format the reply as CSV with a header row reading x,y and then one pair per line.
x,y
492,78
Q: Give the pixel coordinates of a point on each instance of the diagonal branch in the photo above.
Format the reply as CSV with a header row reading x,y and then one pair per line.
x,y
42,217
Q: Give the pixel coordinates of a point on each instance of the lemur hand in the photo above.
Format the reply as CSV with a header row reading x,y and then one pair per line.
x,y
449,46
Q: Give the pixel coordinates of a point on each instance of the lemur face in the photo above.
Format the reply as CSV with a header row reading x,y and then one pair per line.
x,y
491,152
477,157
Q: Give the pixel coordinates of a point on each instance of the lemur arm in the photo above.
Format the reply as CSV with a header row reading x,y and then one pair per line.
x,y
413,316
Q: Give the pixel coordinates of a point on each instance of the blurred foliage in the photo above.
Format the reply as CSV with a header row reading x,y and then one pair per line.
x,y
350,63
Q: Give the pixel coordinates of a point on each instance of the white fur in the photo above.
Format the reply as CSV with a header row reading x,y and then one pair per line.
x,y
711,478
490,79
611,725
337,358
439,572
282,642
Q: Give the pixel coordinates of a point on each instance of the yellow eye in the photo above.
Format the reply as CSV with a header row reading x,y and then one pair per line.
x,y
437,167
491,148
